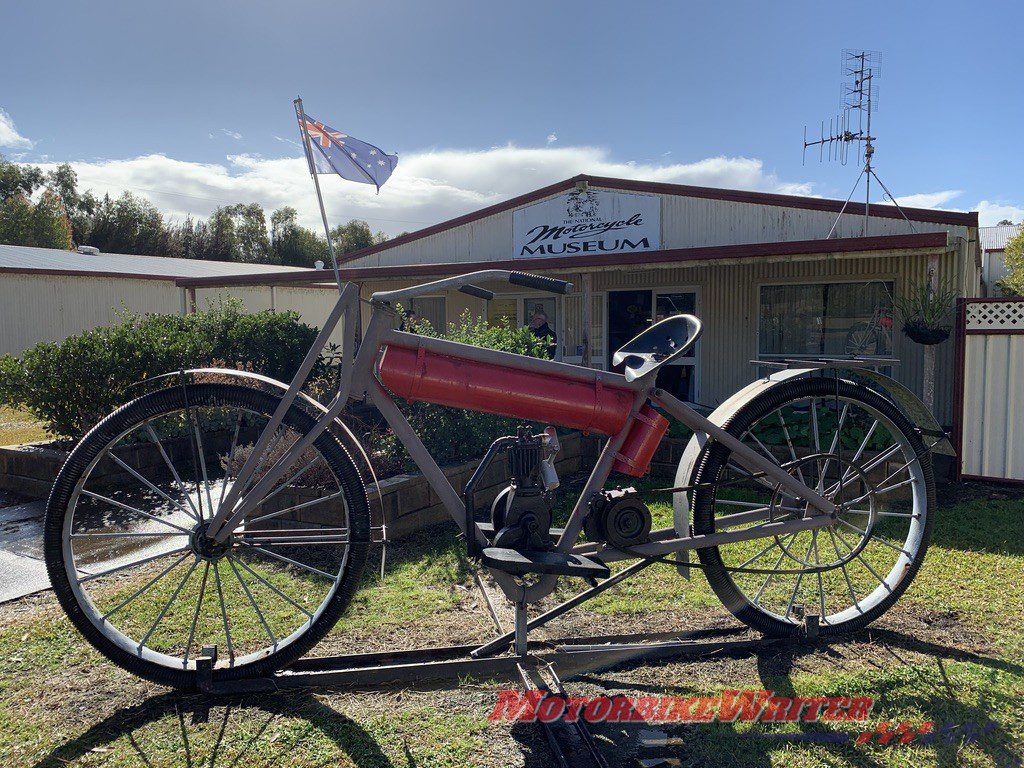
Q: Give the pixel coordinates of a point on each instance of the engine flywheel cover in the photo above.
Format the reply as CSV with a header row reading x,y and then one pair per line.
x,y
619,518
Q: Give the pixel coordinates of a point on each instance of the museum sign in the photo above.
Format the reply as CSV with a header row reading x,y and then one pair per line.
x,y
588,221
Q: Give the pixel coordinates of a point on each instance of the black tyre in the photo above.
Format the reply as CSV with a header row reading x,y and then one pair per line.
x,y
130,564
856,448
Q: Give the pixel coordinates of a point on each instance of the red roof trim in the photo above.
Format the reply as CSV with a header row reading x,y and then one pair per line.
x,y
570,263
85,273
709,193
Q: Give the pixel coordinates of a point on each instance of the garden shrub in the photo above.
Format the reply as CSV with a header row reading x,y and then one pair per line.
x,y
72,384
453,435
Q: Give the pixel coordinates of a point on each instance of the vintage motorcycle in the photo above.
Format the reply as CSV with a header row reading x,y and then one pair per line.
x,y
227,509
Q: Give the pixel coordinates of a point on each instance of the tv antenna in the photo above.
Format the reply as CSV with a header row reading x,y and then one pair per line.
x,y
858,100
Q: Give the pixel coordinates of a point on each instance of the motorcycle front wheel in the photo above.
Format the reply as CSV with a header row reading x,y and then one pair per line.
x,y
131,565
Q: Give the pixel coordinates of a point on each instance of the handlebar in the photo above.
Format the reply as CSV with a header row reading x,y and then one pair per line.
x,y
549,284
475,290
466,284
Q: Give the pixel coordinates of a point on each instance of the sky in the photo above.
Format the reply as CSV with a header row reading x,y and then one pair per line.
x,y
189,104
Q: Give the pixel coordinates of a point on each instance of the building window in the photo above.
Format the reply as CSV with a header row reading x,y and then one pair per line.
x,y
501,310
433,310
826,320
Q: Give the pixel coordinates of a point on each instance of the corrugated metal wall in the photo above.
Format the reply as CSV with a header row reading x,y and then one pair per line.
x,y
727,302
992,443
685,222
692,221
36,308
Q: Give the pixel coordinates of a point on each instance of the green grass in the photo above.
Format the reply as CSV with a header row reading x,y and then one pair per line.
x,y
951,651
18,427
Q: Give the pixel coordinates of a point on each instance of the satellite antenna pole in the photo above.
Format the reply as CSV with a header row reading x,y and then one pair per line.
x,y
858,98
867,74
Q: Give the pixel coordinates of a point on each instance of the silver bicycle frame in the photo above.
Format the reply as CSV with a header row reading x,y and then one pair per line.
x,y
358,381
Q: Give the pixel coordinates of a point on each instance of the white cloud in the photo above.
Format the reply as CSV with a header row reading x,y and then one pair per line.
x,y
9,136
552,138
929,199
990,214
427,187
231,134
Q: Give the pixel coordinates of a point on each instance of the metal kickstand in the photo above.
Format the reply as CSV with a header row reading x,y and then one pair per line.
x,y
521,644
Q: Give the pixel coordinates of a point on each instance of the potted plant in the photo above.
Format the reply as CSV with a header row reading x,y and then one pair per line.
x,y
926,312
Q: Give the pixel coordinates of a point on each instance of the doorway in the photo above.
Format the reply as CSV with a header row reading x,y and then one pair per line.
x,y
630,312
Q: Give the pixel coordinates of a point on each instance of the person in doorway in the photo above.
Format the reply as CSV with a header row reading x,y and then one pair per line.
x,y
409,321
540,328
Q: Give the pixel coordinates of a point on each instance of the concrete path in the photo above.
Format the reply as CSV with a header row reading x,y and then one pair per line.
x,y
22,570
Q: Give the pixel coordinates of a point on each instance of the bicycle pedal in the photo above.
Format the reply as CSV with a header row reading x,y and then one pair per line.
x,y
536,561
489,532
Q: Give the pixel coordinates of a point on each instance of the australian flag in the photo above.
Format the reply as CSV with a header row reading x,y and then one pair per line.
x,y
330,151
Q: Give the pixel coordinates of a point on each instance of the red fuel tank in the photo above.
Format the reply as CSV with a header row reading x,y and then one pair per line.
x,y
459,383
644,436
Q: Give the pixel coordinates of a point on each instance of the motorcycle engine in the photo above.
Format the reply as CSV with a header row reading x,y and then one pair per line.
x,y
521,512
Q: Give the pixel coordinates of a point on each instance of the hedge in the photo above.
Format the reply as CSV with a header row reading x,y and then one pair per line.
x,y
72,384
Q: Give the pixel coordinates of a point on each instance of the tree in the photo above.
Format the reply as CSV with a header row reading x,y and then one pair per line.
x,y
128,225
189,240
42,225
1005,222
238,233
80,208
15,220
292,244
131,224
18,179
51,226
355,236
251,232
1014,280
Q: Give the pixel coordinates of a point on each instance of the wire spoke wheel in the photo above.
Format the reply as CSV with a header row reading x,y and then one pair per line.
x,y
128,546
856,449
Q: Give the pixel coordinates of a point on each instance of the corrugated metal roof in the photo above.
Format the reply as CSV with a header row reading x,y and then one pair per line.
x,y
22,258
996,238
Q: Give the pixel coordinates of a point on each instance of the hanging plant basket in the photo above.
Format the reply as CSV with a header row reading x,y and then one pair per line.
x,y
922,333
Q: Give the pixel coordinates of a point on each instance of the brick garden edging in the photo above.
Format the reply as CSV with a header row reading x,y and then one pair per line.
x,y
408,501
29,470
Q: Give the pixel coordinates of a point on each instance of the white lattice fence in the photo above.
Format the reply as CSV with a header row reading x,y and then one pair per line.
x,y
992,371
1003,315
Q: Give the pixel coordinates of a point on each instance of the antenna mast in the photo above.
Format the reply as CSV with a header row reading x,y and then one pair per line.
x,y
858,100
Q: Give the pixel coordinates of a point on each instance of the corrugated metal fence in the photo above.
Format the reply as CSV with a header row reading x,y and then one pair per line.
x,y
990,355
42,307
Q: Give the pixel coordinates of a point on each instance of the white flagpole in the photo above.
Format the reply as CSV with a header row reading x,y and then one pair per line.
x,y
316,183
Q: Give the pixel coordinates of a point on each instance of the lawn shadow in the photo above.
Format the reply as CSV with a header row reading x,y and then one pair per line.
x,y
777,665
250,717
935,696
435,548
